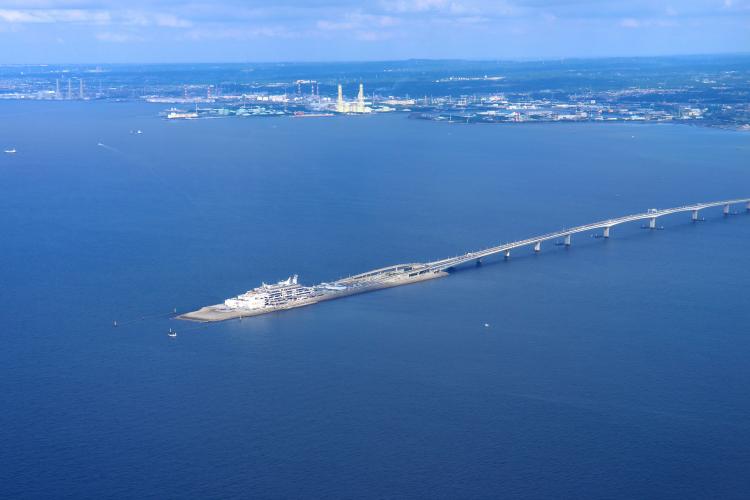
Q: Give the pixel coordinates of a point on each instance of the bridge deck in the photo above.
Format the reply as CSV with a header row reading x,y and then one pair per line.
x,y
443,264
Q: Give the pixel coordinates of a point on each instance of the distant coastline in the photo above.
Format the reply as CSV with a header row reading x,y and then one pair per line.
x,y
697,90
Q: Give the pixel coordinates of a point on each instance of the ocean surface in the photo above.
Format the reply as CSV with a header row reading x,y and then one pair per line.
x,y
612,369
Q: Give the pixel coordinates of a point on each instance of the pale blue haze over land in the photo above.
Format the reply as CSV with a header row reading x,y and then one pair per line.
x,y
76,31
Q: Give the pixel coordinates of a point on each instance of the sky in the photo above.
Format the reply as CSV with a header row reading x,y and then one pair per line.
x,y
140,31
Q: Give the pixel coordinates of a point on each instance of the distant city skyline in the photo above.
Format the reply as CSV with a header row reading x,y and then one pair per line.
x,y
102,31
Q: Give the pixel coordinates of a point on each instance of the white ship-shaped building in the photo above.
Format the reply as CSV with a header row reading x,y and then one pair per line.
x,y
283,293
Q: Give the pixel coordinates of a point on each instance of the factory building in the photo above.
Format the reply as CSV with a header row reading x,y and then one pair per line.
x,y
357,106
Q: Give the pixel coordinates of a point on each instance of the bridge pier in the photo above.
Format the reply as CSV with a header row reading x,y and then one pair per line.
x,y
726,209
652,223
748,206
606,232
695,215
567,240
507,254
538,246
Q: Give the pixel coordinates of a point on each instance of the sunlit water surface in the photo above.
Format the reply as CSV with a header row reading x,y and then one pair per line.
x,y
613,369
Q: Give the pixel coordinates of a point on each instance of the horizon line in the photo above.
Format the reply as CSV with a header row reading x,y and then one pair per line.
x,y
409,59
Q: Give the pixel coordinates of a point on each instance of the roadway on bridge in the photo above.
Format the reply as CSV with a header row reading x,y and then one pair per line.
x,y
650,215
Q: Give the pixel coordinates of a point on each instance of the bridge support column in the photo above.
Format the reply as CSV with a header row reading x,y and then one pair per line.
x,y
567,240
652,223
695,215
538,246
748,206
606,232
726,209
507,254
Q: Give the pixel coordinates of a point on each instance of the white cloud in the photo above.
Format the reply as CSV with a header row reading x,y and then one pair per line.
x,y
335,25
737,5
632,23
107,36
472,19
171,21
93,16
55,16
358,21
451,7
403,6
238,33
372,36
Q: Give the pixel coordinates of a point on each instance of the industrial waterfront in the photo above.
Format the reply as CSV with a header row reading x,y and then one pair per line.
x,y
699,91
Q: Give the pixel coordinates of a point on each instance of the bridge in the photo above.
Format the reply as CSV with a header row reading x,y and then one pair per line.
x,y
288,294
566,234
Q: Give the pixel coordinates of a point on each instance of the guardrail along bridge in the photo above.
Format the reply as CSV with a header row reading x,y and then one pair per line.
x,y
567,234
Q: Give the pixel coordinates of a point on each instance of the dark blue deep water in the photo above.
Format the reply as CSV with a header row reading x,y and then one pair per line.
x,y
614,369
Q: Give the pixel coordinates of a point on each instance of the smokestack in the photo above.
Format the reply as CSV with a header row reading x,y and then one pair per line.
x,y
361,99
340,100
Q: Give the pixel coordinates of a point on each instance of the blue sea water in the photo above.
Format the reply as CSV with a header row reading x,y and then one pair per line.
x,y
613,369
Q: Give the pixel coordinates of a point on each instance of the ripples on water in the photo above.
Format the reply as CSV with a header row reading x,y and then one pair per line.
x,y
612,369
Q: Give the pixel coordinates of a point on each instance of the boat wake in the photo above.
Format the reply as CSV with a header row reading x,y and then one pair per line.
x,y
110,148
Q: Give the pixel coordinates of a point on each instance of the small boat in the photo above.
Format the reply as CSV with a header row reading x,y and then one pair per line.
x,y
172,333
486,325
11,151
